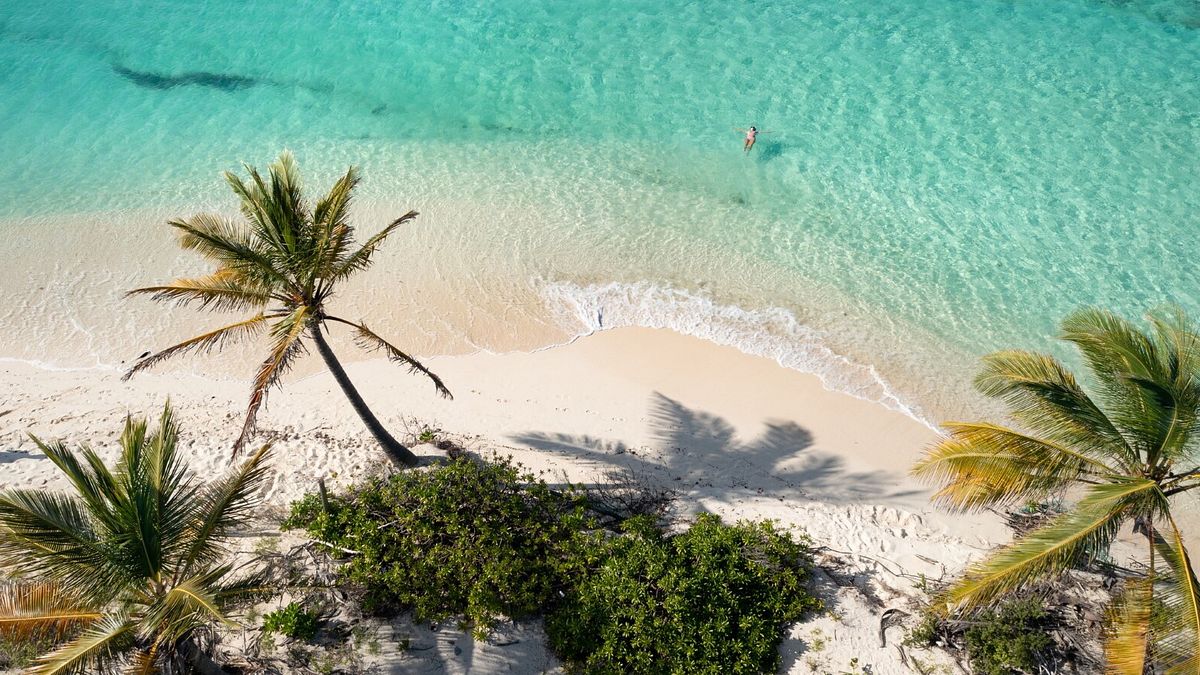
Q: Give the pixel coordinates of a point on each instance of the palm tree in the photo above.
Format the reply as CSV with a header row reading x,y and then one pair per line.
x,y
130,563
283,260
1128,448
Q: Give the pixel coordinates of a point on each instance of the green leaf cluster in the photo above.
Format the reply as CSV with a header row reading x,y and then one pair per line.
x,y
295,621
470,539
1012,638
479,541
712,599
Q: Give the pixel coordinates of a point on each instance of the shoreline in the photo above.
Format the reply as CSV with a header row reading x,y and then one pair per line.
x,y
688,407
433,292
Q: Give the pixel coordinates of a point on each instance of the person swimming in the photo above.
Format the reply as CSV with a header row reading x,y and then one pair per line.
x,y
751,136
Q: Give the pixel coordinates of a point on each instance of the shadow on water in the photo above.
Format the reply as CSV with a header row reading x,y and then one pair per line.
x,y
697,450
220,81
768,150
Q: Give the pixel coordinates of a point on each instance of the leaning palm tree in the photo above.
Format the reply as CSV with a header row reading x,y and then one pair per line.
x,y
1127,449
284,261
130,563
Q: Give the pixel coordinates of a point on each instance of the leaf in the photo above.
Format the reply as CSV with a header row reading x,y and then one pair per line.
x,y
361,259
983,465
1177,642
214,339
37,608
1043,395
287,333
222,505
97,646
1149,381
224,290
369,341
1066,540
1127,644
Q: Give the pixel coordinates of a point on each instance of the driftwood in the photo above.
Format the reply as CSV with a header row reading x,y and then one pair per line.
x,y
889,618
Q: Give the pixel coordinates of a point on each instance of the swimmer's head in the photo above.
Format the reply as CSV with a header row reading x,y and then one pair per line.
x,y
753,129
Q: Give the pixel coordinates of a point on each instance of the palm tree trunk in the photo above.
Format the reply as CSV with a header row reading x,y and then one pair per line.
x,y
200,662
395,449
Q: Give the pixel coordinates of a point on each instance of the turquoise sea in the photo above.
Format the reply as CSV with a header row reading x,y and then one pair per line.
x,y
941,178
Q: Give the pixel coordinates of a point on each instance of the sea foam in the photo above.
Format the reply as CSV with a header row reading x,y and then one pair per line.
x,y
772,332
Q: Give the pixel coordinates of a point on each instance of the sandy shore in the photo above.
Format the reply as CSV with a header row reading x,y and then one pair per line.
x,y
734,434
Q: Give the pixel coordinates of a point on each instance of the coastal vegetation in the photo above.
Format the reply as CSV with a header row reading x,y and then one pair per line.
x,y
1124,448
712,599
477,541
465,540
283,260
130,567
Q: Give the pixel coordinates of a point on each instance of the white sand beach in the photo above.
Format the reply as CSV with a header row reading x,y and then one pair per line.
x,y
736,435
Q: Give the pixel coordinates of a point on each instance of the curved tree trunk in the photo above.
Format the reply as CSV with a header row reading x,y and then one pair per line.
x,y
395,449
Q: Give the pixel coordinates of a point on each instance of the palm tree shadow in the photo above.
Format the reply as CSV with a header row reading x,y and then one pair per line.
x,y
698,450
7,456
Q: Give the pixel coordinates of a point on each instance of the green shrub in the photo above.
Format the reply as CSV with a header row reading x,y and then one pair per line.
x,y
18,652
714,599
294,621
1012,638
469,539
924,634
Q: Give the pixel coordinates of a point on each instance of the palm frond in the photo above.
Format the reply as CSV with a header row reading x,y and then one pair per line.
x,y
95,648
369,341
94,483
157,497
222,505
143,661
229,245
1149,384
361,258
185,607
170,487
41,608
218,239
334,234
1043,395
224,290
1127,643
287,346
256,584
50,535
214,339
1065,541
984,465
1177,639
287,199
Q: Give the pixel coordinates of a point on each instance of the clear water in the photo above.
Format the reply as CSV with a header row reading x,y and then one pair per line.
x,y
941,177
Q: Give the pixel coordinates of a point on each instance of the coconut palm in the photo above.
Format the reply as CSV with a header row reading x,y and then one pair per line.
x,y
283,260
1127,448
129,562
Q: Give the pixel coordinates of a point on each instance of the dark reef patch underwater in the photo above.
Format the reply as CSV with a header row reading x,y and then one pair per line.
x,y
151,80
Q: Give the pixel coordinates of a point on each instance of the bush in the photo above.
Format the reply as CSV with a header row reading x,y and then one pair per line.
x,y
714,599
469,539
1012,638
294,621
16,653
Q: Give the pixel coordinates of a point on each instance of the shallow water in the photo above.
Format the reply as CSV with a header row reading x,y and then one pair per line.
x,y
941,179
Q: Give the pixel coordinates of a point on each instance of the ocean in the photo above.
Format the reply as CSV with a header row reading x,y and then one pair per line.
x,y
938,178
